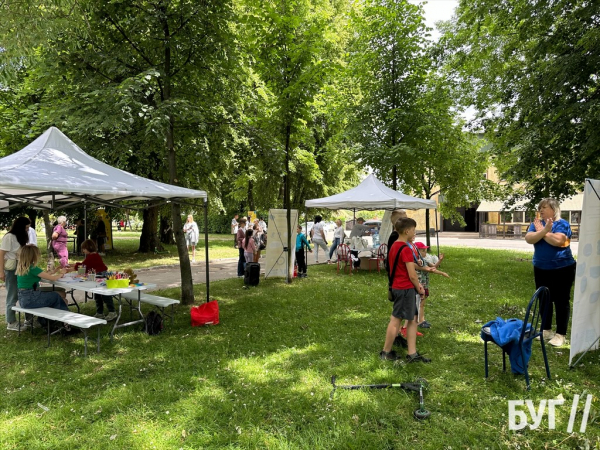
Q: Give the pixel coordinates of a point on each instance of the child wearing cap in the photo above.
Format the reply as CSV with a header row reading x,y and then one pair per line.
x,y
428,261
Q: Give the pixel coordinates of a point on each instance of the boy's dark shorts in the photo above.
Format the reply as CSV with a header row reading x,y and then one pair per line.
x,y
405,303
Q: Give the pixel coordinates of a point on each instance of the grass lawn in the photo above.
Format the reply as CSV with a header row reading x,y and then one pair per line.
x,y
261,378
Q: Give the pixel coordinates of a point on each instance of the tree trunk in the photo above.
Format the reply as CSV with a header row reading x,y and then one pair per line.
x,y
166,231
286,200
250,195
148,239
187,286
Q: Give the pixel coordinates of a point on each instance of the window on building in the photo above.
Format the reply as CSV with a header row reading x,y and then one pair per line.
x,y
507,217
565,215
530,216
518,216
575,216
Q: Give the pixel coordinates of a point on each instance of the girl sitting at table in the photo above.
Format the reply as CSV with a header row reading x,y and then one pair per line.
x,y
28,279
93,261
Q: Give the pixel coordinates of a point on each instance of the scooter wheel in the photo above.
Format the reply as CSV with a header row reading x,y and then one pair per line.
x,y
421,414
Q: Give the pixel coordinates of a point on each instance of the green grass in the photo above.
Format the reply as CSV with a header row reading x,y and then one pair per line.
x,y
261,378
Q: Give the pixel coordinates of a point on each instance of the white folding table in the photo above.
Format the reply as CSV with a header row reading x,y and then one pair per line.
x,y
94,287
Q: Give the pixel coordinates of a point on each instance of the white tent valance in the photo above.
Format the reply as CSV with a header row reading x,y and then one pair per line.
x,y
372,195
53,169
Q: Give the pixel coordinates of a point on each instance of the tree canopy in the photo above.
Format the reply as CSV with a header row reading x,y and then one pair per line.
x,y
531,71
236,96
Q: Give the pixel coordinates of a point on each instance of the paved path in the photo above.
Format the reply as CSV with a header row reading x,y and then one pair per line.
x,y
169,276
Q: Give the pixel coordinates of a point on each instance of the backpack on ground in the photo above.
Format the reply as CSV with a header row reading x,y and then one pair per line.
x,y
154,323
252,274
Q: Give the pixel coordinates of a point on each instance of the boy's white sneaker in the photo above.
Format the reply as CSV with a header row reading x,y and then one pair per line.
x,y
110,316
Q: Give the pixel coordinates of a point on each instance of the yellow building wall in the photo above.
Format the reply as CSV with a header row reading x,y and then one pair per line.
x,y
420,216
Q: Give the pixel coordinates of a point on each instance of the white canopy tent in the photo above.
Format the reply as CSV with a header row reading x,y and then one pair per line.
x,y
372,195
54,173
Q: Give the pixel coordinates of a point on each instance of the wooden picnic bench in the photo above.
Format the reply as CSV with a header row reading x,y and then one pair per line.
x,y
73,319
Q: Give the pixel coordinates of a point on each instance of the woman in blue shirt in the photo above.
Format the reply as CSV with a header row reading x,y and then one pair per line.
x,y
553,266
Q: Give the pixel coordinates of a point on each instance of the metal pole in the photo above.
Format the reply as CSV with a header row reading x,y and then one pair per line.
x,y
206,248
84,221
437,233
306,223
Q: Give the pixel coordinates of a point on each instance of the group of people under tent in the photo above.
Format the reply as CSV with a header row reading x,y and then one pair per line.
x,y
20,271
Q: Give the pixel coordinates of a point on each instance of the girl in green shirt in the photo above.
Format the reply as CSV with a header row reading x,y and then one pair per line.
x,y
28,278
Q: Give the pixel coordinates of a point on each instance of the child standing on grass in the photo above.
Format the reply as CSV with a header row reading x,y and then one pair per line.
x,y
433,262
301,243
421,268
249,246
93,261
405,287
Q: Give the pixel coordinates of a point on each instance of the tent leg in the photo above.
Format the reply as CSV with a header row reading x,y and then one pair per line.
x,y
306,252
206,248
84,222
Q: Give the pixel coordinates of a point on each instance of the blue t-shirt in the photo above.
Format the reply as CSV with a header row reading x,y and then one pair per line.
x,y
547,256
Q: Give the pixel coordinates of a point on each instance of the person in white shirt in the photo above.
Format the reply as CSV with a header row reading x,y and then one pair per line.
x,y
191,235
262,224
234,230
318,237
17,236
32,236
338,238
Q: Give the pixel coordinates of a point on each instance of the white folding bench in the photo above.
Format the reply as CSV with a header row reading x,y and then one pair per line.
x,y
73,319
160,303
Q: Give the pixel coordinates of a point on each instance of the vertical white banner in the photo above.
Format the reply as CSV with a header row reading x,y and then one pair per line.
x,y
277,241
386,227
585,323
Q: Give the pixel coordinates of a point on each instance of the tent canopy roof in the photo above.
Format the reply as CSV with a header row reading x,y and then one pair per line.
x,y
53,169
371,194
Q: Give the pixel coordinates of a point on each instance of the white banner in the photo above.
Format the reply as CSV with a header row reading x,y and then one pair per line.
x,y
585,323
277,258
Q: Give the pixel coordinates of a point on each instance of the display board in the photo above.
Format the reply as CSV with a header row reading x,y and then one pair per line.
x,y
277,257
585,323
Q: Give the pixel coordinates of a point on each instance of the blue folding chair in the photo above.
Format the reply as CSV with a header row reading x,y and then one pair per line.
x,y
534,316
